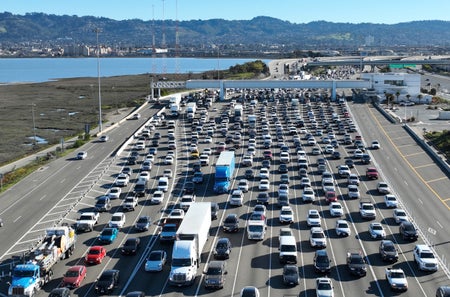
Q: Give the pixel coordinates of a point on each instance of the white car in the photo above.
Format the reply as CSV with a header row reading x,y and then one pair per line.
x,y
104,138
284,157
193,147
286,215
283,189
168,160
264,173
82,155
122,180
329,149
353,179
157,197
357,154
243,185
305,182
313,218
117,220
208,139
383,188
343,171
168,173
144,175
324,287
353,192
317,237
264,185
328,186
390,201
207,151
400,215
396,279
114,193
236,198
140,145
342,228
259,209
204,160
375,145
336,209
308,195
376,230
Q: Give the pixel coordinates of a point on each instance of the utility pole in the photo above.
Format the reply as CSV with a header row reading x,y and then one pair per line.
x,y
34,122
100,128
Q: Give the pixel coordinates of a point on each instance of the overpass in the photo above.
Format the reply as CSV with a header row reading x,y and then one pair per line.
x,y
363,62
283,84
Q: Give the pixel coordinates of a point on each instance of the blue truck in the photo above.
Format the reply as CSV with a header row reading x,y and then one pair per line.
x,y
224,172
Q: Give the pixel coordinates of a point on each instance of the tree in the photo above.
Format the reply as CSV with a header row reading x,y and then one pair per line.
x,y
420,96
408,96
397,94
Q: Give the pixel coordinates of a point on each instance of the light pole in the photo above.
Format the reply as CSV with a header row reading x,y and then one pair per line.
x,y
97,31
34,122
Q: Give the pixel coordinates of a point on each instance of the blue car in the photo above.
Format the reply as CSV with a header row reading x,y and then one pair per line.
x,y
108,235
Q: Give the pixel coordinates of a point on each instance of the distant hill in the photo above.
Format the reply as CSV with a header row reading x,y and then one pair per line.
x,y
44,28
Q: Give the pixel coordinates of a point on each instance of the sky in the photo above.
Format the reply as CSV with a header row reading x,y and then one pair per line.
x,y
294,11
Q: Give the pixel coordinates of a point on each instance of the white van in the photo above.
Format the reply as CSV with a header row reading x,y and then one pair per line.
x,y
163,184
288,250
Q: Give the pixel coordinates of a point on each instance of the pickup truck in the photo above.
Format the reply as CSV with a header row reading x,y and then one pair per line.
x,y
367,209
87,221
396,279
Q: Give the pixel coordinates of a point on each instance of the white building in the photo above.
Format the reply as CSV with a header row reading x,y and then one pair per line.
x,y
391,83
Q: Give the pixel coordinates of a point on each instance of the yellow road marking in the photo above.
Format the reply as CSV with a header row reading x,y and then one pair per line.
x,y
423,166
407,162
436,179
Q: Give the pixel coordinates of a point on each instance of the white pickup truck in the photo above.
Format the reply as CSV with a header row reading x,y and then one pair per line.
x,y
87,221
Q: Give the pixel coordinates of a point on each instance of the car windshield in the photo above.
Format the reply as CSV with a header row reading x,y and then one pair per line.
x,y
427,255
23,273
155,256
288,248
324,286
116,218
94,252
318,235
214,271
142,220
357,260
397,275
104,277
107,232
290,270
377,227
72,273
181,262
322,259
255,228
230,220
342,225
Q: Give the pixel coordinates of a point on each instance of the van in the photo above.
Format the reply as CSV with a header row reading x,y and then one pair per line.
x,y
288,250
163,184
140,188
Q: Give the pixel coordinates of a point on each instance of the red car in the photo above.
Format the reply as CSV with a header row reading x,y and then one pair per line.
x,y
372,173
330,196
268,155
95,255
74,276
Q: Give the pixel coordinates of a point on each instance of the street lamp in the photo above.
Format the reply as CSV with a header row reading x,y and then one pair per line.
x,y
34,122
97,31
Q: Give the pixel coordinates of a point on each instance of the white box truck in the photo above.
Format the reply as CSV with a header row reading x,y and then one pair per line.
x,y
191,237
191,108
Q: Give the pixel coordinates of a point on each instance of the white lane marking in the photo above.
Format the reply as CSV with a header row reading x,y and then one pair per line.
x,y
42,198
420,201
439,224
18,218
62,181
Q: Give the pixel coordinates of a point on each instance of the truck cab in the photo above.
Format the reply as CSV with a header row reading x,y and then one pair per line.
x,y
184,263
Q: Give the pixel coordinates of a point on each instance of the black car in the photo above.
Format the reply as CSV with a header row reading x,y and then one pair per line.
x,y
336,155
231,223
131,160
249,174
214,210
107,281
322,261
365,159
388,252
143,223
131,246
283,168
102,204
60,292
290,275
408,231
126,170
189,188
265,164
349,163
356,263
222,249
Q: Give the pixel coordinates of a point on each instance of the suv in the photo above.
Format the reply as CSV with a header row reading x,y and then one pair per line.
x,y
215,275
231,223
322,261
424,258
408,231
388,252
107,281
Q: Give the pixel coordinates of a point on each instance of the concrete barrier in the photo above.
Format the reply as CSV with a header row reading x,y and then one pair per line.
x,y
386,114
